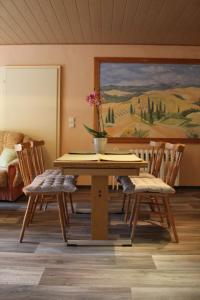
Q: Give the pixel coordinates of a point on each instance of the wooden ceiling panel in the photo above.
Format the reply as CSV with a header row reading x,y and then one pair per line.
x,y
146,14
153,22
85,20
95,8
31,22
19,17
8,33
119,9
186,30
63,21
107,20
5,37
8,20
52,19
129,19
35,7
71,10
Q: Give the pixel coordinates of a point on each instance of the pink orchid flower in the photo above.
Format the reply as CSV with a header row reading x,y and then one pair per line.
x,y
93,99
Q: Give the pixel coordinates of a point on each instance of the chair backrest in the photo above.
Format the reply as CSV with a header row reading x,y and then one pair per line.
x,y
37,156
174,164
158,149
26,165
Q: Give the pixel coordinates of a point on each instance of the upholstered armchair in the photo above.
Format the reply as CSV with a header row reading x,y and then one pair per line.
x,y
10,179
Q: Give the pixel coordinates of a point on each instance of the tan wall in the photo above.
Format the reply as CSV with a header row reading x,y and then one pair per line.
x,y
77,81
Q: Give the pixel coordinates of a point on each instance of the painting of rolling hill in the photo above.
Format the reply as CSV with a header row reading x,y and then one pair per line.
x,y
154,100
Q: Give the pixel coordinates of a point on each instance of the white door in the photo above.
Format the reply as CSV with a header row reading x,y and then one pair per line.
x,y
30,103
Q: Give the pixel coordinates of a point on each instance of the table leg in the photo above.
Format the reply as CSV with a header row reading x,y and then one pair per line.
x,y
99,216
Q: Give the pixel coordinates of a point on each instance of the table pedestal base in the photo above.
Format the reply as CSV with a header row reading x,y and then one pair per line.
x,y
122,243
99,204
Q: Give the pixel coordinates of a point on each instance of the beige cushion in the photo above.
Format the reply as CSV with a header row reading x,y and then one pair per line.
x,y
7,156
144,174
152,185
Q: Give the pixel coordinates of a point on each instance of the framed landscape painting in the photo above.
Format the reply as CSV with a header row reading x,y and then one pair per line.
x,y
145,99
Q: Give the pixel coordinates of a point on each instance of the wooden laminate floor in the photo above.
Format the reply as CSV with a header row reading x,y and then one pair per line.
x,y
154,268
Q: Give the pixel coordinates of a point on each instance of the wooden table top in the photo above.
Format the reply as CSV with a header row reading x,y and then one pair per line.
x,y
86,166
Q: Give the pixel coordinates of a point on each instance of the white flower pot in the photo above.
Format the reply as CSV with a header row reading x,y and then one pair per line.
x,y
99,145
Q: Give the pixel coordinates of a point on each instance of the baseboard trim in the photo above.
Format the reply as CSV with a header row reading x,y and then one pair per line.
x,y
120,188
185,187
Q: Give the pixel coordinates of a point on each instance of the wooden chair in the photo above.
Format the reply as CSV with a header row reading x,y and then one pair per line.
x,y
156,192
40,186
157,153
156,158
39,166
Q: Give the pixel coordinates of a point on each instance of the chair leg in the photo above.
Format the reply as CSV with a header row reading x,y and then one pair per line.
x,y
61,215
171,218
34,209
127,209
132,213
66,213
158,209
71,203
123,202
27,217
167,216
136,216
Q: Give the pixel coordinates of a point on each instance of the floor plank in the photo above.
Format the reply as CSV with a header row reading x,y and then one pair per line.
x,y
165,293
17,292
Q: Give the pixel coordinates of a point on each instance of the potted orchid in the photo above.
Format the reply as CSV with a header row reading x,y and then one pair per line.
x,y
99,134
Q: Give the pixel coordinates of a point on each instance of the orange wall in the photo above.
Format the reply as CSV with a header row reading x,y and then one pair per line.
x,y
77,81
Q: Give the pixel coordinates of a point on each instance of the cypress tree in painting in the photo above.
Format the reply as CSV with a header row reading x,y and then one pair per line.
x,y
109,115
145,115
141,114
131,109
112,117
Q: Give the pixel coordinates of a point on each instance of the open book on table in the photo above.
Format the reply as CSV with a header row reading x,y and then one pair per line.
x,y
98,157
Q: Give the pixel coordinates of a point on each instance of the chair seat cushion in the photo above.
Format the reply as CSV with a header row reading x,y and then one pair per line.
x,y
151,185
144,174
54,172
50,184
127,184
51,172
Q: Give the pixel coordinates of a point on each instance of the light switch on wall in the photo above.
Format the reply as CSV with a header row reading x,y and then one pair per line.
x,y
71,122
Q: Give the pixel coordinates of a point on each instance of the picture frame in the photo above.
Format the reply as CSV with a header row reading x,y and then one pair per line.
x,y
147,99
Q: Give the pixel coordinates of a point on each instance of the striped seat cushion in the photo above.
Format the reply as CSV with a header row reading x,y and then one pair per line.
x,y
55,172
127,184
50,184
51,172
151,185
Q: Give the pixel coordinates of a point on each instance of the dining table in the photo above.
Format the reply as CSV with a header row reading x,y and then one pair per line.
x,y
100,167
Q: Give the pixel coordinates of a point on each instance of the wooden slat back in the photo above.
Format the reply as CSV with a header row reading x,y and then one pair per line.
x,y
174,164
26,166
157,154
37,156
